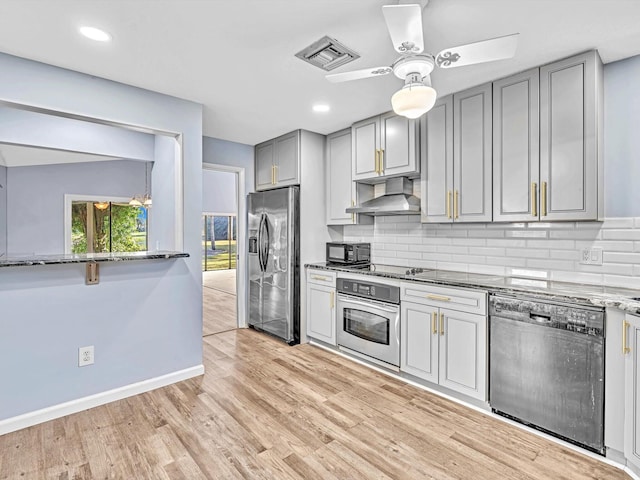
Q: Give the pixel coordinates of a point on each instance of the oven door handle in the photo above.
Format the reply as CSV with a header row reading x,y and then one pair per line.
x,y
397,331
371,304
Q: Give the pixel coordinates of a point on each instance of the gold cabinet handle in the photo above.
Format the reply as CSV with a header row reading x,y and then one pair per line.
x,y
353,215
377,168
320,277
543,199
442,324
273,174
332,300
625,348
455,204
534,199
441,298
448,204
434,323
381,161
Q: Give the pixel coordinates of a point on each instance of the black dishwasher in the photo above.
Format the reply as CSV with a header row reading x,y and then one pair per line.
x,y
546,367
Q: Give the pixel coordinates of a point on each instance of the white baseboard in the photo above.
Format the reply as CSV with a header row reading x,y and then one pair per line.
x,y
56,411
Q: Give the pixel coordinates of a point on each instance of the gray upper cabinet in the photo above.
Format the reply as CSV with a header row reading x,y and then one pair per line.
x,y
516,165
287,159
339,185
277,162
571,175
472,155
436,181
365,148
547,161
456,159
341,191
399,145
384,146
264,165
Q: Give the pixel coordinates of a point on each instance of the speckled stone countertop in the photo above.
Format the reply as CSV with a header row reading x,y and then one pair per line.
x,y
25,261
598,295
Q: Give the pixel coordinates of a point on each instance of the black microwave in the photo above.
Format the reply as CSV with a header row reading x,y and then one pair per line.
x,y
348,253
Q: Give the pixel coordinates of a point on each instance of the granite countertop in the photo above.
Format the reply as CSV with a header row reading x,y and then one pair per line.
x,y
598,295
29,260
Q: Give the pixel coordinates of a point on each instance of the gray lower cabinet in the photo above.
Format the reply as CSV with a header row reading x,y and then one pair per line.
x,y
571,159
443,337
386,145
277,162
631,350
418,342
321,306
516,148
457,158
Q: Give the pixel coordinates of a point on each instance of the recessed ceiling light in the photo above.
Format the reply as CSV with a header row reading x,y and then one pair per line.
x,y
95,34
321,107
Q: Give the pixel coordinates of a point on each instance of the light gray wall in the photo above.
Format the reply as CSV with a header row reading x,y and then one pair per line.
x,y
219,192
163,213
35,199
621,138
145,317
41,130
223,152
3,210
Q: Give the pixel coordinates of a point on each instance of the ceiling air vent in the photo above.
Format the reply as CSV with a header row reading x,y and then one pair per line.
x,y
327,53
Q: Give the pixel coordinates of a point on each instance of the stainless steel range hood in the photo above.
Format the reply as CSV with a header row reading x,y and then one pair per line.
x,y
397,200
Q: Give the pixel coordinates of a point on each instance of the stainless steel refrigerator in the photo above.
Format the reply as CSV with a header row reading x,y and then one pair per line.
x,y
274,262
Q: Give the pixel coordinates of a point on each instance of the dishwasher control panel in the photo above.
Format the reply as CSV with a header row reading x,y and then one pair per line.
x,y
576,318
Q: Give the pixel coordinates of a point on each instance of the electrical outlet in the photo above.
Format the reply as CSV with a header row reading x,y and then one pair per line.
x,y
591,256
585,256
85,356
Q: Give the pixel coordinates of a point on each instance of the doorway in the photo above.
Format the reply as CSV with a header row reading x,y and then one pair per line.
x,y
222,239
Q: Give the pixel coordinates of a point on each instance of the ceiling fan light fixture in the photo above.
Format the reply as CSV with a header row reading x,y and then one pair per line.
x,y
413,100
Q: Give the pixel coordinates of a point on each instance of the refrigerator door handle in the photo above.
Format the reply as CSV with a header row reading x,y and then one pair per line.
x,y
267,242
259,242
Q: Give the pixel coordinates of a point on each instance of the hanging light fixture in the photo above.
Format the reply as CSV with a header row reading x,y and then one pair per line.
x,y
416,98
101,205
143,200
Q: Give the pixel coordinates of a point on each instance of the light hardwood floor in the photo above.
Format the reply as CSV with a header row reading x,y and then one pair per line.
x,y
264,410
219,302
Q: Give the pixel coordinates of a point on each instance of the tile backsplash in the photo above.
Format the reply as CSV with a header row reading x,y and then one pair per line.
x,y
540,250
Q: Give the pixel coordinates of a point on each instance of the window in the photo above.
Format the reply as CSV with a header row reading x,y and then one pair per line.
x,y
99,226
219,238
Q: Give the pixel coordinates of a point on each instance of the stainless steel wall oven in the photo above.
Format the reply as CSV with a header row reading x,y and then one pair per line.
x,y
368,316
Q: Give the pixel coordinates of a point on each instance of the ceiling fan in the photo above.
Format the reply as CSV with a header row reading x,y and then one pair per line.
x,y
414,66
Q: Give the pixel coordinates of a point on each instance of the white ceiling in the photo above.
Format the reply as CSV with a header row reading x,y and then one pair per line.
x,y
237,56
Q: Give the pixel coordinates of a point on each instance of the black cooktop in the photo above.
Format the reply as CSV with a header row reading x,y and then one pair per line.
x,y
393,269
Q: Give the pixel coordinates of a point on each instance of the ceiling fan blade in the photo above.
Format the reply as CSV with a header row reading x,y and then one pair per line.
x,y
358,74
478,52
405,27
